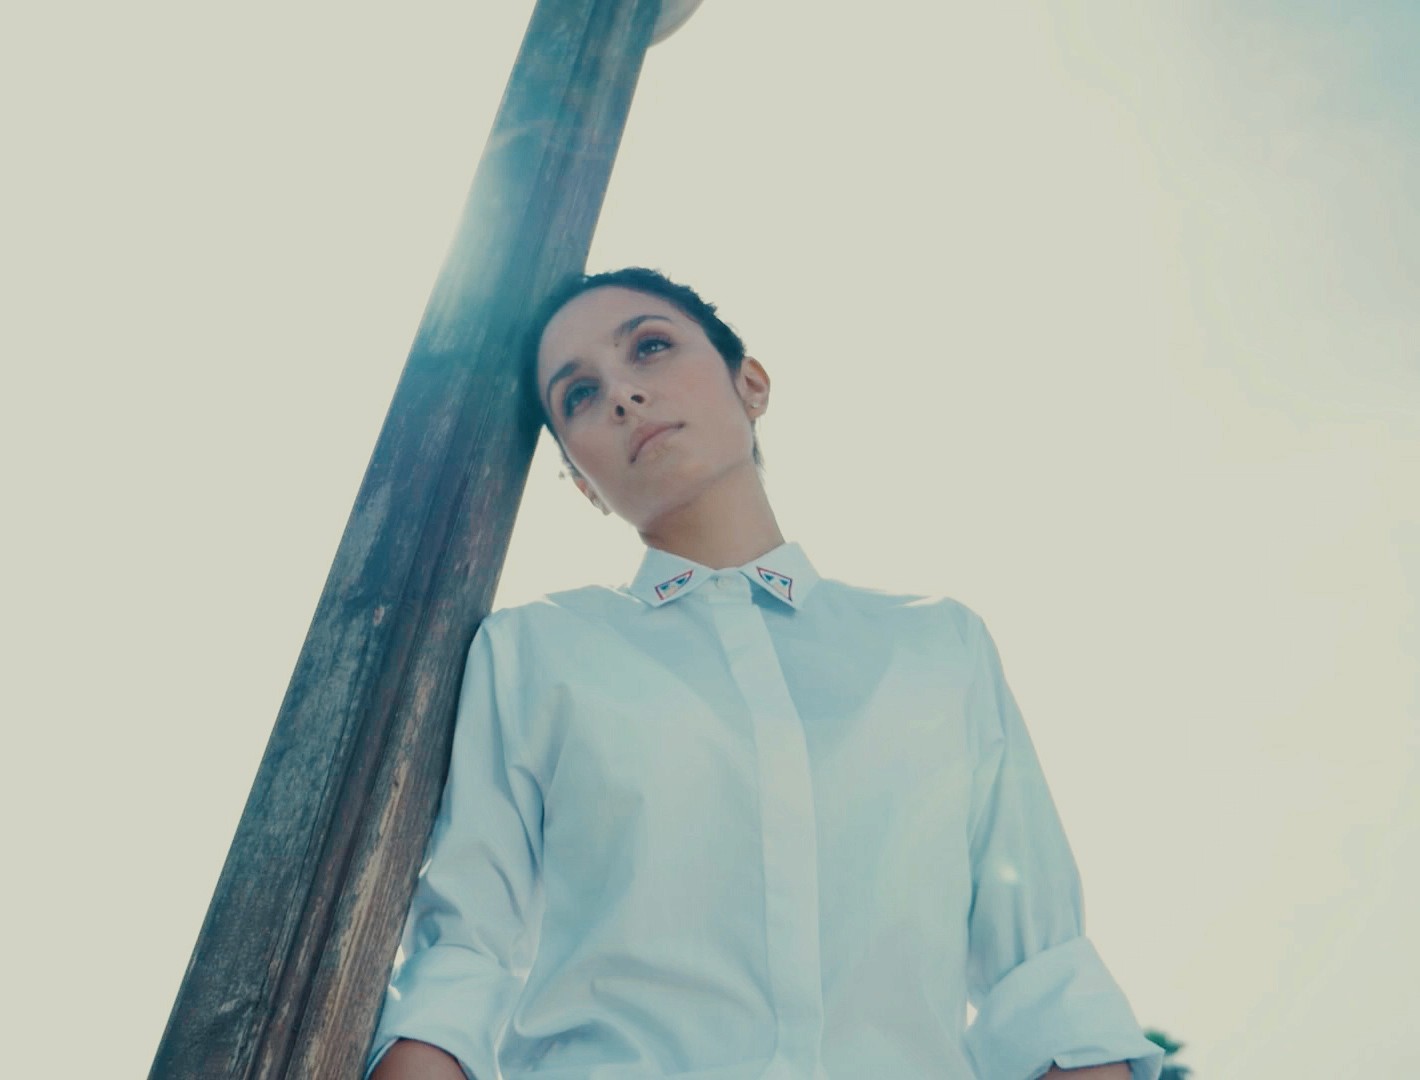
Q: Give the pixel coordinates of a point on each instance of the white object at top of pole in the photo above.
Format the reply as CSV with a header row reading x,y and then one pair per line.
x,y
672,17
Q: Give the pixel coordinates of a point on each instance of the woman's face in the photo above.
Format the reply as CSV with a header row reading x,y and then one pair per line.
x,y
644,405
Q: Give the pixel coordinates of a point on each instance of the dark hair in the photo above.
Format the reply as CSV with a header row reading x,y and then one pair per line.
x,y
640,279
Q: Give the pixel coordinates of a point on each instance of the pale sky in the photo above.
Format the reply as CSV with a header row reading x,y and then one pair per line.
x,y
1106,325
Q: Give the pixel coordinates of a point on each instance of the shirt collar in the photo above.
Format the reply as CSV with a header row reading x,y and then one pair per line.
x,y
785,573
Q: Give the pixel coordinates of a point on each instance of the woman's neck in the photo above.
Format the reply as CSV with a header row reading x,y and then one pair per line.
x,y
728,525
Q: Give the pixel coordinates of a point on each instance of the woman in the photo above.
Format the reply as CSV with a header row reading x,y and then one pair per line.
x,y
733,820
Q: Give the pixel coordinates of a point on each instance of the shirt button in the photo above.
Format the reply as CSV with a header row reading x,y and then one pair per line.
x,y
722,583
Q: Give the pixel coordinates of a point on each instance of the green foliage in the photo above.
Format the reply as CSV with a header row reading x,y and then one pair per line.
x,y
1172,1071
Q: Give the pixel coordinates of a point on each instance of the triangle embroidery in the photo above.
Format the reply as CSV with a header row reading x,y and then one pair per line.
x,y
781,584
666,589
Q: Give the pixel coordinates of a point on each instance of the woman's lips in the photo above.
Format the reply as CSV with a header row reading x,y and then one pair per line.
x,y
646,434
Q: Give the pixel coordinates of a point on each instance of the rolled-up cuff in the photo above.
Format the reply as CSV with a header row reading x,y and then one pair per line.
x,y
1060,1007
452,998
376,1053
382,1049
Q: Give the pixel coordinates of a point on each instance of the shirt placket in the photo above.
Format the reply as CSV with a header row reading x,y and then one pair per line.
x,y
789,832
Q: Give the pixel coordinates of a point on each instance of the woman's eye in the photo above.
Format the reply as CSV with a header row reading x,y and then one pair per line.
x,y
575,396
652,344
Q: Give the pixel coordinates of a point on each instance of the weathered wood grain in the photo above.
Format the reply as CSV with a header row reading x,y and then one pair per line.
x,y
288,973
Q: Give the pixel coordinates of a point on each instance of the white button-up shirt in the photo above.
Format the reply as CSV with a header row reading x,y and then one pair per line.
x,y
748,823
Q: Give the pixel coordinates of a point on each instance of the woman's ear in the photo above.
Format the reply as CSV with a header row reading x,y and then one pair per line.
x,y
752,382
587,490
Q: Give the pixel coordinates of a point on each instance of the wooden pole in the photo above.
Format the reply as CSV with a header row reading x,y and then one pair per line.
x,y
288,973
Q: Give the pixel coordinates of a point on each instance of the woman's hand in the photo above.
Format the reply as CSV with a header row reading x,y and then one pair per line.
x,y
1118,1070
411,1060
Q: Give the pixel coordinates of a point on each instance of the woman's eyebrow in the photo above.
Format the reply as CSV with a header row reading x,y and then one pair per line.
x,y
572,365
631,324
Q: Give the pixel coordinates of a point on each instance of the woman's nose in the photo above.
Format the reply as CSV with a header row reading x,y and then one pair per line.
x,y
628,395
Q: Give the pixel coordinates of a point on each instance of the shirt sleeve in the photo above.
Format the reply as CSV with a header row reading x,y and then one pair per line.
x,y
471,932
1043,995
